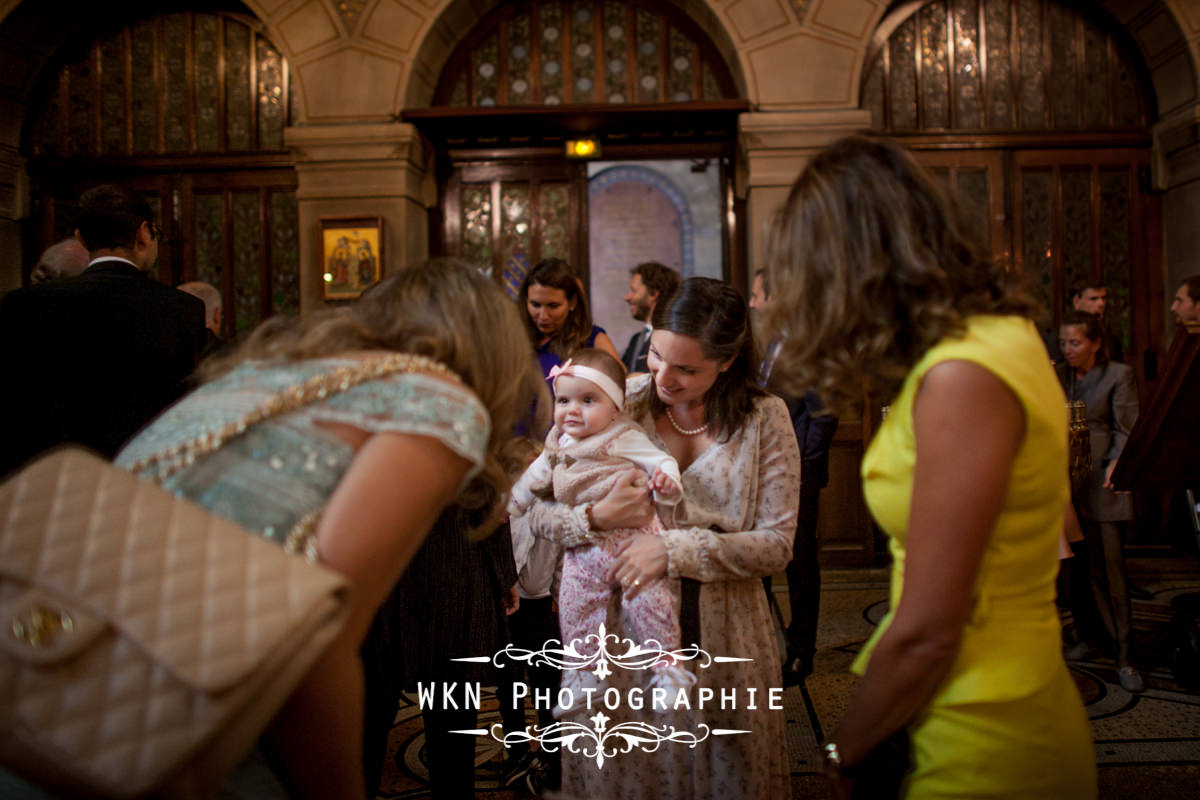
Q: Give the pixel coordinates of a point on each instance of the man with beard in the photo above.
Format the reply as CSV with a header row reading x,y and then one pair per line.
x,y
650,283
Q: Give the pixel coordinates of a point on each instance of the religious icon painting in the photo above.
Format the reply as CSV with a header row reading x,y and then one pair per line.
x,y
351,256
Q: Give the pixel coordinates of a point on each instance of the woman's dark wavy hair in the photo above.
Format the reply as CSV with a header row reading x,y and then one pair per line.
x,y
871,265
715,315
554,273
1093,329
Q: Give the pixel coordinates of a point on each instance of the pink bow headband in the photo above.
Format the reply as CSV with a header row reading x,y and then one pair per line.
x,y
606,384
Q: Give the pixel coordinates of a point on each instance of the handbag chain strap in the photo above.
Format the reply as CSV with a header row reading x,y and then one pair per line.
x,y
167,462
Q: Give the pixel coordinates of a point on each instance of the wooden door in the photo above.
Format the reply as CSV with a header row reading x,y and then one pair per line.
x,y
1085,214
511,216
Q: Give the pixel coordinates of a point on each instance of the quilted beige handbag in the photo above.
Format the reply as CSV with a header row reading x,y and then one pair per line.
x,y
146,642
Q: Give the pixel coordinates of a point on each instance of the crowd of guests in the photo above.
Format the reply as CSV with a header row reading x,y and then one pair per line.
x,y
654,493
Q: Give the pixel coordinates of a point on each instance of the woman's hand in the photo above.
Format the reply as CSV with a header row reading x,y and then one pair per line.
x,y
639,561
627,505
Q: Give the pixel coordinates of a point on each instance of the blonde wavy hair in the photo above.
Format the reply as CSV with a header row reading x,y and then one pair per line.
x,y
871,265
445,309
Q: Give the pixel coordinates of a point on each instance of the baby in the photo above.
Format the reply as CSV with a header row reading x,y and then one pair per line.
x,y
590,446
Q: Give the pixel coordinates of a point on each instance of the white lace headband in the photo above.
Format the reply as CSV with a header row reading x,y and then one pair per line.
x,y
606,384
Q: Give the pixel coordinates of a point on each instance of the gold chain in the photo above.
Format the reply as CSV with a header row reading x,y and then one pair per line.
x,y
339,379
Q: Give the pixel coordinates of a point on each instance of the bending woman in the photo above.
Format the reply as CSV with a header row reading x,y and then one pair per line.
x,y
378,462
741,480
558,320
879,284
1107,389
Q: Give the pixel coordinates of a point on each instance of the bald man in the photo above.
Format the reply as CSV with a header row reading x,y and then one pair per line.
x,y
66,259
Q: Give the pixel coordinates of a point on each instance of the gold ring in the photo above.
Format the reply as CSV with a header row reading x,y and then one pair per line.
x,y
637,582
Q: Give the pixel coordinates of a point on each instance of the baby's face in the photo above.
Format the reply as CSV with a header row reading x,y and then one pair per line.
x,y
581,409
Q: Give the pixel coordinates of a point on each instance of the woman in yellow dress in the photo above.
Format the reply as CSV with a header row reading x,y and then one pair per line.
x,y
881,286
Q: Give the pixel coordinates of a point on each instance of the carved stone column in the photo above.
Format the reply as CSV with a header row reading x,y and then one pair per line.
x,y
775,146
376,169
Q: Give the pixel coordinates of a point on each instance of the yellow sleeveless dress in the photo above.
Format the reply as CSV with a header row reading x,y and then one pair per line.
x,y
1007,722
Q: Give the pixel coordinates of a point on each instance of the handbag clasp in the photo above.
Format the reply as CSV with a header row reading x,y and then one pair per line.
x,y
40,625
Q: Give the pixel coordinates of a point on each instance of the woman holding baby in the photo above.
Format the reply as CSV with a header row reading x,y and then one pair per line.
x,y
740,476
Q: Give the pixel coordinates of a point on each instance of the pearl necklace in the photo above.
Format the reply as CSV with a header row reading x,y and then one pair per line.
x,y
692,432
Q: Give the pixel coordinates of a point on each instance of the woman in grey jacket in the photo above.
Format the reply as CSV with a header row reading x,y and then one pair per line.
x,y
1107,389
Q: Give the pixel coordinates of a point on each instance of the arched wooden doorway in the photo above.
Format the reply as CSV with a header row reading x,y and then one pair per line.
x,y
1038,114
641,78
189,109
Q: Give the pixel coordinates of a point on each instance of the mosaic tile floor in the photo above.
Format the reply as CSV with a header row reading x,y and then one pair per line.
x,y
1147,746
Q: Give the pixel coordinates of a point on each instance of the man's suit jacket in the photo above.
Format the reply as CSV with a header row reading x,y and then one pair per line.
x,y
1110,394
814,433
634,357
92,359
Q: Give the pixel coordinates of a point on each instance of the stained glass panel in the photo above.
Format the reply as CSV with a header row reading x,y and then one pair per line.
x,y
80,120
1037,240
680,68
49,125
516,235
616,53
285,255
1064,69
175,121
1077,224
1096,111
112,96
903,92
485,71
208,235
1116,253
550,30
1128,111
520,82
553,205
649,72
997,18
712,91
872,96
270,95
477,222
458,95
1033,73
238,107
208,134
583,52
247,258
967,86
972,194
935,91
145,93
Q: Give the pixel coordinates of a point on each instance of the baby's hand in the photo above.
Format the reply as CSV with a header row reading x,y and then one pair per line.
x,y
664,485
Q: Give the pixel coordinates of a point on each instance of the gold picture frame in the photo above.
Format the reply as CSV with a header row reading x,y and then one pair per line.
x,y
351,256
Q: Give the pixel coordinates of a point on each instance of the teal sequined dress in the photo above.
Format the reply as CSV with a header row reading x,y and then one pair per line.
x,y
280,470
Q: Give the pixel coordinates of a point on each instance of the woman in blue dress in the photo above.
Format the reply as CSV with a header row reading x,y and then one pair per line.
x,y
558,319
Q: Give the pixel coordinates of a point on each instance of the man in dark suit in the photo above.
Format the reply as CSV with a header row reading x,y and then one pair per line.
x,y
814,433
650,283
91,359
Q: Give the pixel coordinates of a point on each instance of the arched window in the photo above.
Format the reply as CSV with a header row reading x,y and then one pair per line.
x,y
1030,65
583,51
188,109
176,83
1036,114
